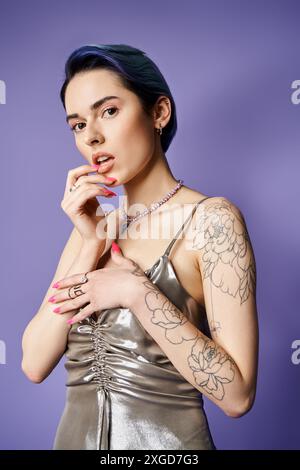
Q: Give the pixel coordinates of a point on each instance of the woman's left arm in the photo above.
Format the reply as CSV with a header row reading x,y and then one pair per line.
x,y
223,368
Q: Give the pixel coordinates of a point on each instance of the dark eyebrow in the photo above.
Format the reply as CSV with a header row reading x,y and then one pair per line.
x,y
93,106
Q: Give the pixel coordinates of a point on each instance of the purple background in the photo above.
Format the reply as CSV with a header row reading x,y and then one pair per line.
x,y
230,66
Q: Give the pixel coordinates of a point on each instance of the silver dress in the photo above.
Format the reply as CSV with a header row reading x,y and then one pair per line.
x,y
122,390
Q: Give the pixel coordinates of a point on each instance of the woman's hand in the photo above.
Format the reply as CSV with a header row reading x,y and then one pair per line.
x,y
81,204
104,288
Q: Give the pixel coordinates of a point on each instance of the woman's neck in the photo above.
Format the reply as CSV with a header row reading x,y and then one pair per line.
x,y
153,183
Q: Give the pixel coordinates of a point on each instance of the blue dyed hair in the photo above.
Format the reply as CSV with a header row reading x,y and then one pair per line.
x,y
137,72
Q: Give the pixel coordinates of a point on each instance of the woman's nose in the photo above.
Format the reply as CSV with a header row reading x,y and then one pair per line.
x,y
92,135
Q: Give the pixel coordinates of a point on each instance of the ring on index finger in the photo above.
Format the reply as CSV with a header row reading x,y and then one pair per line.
x,y
74,187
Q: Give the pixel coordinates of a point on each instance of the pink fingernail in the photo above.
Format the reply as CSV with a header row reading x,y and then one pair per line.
x,y
115,247
56,310
95,166
108,192
70,321
109,178
51,299
55,285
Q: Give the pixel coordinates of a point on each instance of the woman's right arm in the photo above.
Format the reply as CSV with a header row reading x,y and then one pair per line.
x,y
44,340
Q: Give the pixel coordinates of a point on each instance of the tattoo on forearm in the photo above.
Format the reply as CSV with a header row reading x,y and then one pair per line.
x,y
210,366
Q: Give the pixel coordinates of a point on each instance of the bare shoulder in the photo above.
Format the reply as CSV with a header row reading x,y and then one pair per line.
x,y
216,212
213,208
190,196
219,216
218,203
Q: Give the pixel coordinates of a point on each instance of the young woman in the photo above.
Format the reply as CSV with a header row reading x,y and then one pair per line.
x,y
148,329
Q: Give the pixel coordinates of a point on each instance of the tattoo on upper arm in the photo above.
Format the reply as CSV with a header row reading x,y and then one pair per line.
x,y
222,238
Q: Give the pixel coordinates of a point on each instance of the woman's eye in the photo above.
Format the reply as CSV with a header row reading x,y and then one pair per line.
x,y
108,109
74,127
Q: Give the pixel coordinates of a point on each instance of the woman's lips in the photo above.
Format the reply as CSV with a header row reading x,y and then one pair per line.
x,y
105,166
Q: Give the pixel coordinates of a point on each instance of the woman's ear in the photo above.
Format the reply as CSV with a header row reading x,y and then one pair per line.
x,y
162,111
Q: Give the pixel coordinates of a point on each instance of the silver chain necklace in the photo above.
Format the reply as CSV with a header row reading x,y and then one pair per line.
x,y
132,218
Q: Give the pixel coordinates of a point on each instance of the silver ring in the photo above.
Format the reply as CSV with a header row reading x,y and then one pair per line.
x,y
84,278
74,187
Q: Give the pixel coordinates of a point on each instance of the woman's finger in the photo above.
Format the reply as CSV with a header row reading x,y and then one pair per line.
x,y
98,178
81,278
72,291
84,313
85,192
75,173
72,304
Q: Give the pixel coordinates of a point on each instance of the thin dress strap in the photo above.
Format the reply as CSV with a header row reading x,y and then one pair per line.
x,y
169,247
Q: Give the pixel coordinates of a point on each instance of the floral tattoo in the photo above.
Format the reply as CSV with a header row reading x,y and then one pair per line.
x,y
222,238
211,368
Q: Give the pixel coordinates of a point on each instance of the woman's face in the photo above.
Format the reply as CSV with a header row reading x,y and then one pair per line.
x,y
119,126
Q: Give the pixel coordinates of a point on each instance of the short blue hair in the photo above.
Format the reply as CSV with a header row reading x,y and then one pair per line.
x,y
137,72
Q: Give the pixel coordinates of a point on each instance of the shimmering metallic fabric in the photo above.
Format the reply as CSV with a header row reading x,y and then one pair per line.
x,y
122,390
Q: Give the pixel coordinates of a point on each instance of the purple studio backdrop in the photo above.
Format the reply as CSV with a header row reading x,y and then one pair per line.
x,y
234,70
